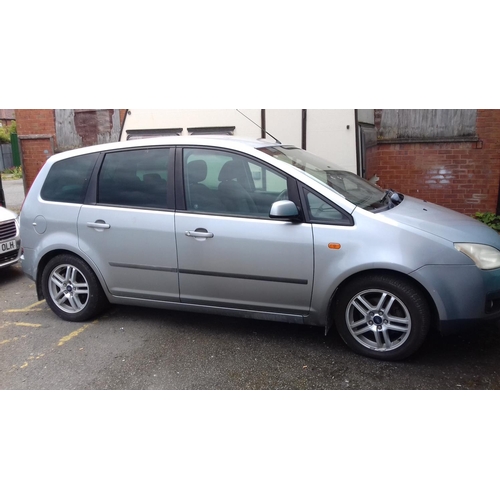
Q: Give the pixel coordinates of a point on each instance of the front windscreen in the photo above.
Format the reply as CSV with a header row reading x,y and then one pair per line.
x,y
355,189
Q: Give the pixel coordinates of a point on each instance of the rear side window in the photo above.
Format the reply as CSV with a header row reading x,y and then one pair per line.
x,y
68,179
135,178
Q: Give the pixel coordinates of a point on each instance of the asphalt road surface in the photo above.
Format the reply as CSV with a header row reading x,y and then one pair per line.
x,y
140,348
14,193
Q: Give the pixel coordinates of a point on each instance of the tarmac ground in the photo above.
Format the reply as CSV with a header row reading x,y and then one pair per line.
x,y
14,193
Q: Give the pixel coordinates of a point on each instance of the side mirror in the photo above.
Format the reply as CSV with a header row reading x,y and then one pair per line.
x,y
284,209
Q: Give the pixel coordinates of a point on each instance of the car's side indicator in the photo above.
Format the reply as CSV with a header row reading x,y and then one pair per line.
x,y
334,246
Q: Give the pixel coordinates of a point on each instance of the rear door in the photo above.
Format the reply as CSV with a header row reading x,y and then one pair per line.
x,y
231,254
128,231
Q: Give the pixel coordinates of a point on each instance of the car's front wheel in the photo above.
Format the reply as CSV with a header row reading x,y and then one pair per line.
x,y
71,288
382,316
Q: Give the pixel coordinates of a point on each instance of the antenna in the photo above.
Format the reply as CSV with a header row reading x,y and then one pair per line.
x,y
265,131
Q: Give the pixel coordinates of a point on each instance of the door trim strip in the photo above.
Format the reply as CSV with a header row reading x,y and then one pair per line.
x,y
245,277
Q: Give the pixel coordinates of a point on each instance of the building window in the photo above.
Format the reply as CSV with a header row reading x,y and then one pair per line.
x,y
152,132
211,130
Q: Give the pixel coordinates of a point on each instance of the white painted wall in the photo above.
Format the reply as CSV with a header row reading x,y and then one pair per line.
x,y
187,118
331,133
285,125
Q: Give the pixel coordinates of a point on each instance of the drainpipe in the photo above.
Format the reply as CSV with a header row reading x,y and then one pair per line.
x,y
359,167
304,129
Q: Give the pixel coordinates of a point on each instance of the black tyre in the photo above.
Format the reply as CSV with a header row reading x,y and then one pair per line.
x,y
71,288
382,316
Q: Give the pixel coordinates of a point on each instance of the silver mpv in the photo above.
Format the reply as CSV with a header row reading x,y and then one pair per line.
x,y
258,230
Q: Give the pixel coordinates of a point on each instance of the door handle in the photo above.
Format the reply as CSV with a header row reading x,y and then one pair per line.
x,y
199,233
98,224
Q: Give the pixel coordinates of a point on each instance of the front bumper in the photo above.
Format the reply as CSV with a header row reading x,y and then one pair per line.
x,y
462,293
12,257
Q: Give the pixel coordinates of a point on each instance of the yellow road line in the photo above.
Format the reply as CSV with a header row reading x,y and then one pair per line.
x,y
61,342
29,325
6,341
26,309
31,358
19,323
76,333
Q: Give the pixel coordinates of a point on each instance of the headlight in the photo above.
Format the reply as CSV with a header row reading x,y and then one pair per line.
x,y
484,256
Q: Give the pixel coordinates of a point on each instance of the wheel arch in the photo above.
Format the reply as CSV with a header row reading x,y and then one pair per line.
x,y
53,253
387,272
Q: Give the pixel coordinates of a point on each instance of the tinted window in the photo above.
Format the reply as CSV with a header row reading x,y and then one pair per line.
x,y
68,179
134,178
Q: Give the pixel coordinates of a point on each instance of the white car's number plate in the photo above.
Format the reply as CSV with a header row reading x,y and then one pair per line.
x,y
8,246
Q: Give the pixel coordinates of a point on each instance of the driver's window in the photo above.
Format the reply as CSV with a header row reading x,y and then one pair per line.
x,y
226,183
268,181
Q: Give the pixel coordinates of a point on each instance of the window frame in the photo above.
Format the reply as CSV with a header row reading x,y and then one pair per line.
x,y
91,198
348,220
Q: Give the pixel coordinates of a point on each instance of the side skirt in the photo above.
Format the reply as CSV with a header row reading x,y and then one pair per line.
x,y
221,311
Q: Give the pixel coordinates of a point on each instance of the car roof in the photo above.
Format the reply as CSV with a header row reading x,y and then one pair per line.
x,y
233,142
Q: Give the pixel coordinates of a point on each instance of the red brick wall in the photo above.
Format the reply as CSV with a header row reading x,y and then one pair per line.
x,y
463,176
35,154
36,129
35,121
37,134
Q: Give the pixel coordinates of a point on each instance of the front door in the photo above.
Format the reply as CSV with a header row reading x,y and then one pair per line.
x,y
230,253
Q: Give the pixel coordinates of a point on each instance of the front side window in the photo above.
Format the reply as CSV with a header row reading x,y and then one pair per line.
x,y
134,178
322,211
68,179
230,184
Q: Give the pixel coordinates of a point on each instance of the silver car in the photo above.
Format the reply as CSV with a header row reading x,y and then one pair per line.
x,y
10,244
257,230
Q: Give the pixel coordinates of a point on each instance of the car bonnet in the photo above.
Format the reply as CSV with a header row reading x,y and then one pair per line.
x,y
442,222
6,214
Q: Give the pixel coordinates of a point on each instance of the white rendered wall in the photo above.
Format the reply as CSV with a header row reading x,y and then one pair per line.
x,y
331,133
187,118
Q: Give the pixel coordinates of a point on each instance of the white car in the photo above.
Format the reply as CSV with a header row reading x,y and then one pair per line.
x,y
10,241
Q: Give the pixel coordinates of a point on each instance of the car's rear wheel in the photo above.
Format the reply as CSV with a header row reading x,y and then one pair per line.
x,y
71,288
382,316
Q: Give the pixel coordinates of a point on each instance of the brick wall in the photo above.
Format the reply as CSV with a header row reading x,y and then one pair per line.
x,y
36,129
37,137
463,176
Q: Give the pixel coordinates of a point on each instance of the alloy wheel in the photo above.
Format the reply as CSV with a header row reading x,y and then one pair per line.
x,y
68,288
378,320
